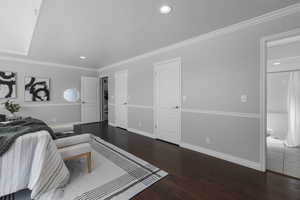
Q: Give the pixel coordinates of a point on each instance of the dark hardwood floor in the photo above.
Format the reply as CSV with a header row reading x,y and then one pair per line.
x,y
193,175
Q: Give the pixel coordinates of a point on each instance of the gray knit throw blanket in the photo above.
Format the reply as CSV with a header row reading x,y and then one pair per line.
x,y
9,132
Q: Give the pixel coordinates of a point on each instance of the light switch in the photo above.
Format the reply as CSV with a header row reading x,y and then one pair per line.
x,y
244,98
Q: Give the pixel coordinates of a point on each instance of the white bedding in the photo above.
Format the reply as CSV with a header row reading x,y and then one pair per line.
x,y
34,163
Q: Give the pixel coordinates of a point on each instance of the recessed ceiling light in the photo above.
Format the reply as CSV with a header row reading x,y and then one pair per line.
x,y
276,63
82,57
165,9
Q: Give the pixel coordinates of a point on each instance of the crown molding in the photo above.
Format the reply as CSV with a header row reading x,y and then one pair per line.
x,y
30,61
229,29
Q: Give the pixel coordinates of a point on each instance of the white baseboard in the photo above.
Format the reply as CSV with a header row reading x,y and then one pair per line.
x,y
111,124
223,156
143,133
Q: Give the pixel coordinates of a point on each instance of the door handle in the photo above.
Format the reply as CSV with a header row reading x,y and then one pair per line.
x,y
175,107
83,102
125,103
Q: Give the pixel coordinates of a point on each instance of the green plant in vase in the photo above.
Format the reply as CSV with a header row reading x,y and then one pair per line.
x,y
12,107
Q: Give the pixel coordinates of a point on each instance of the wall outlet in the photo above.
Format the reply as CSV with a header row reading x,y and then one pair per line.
x,y
140,124
207,140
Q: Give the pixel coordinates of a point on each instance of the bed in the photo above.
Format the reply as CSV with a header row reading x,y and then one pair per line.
x,y
32,162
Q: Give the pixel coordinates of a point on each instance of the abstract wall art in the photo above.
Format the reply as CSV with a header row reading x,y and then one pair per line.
x,y
8,84
37,89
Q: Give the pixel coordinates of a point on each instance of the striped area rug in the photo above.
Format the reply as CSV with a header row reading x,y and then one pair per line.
x,y
116,174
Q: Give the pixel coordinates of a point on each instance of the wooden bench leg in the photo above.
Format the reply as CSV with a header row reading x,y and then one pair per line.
x,y
89,162
87,156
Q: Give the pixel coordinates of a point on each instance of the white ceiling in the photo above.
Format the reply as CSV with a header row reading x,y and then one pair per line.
x,y
17,22
108,31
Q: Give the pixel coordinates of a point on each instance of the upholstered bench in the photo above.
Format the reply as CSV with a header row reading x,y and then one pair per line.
x,y
76,147
66,127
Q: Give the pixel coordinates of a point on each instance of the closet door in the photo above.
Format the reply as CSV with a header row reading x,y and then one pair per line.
x,y
121,109
167,101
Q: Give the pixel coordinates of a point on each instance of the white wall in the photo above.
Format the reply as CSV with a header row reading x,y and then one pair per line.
x,y
215,73
57,110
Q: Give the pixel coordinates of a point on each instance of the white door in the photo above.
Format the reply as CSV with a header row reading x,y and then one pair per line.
x,y
167,95
89,99
121,99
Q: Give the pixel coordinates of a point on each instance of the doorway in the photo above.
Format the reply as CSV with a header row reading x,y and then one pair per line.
x,y
104,99
121,110
89,99
167,100
282,110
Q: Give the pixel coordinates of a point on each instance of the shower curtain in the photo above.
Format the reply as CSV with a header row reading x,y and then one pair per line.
x,y
293,107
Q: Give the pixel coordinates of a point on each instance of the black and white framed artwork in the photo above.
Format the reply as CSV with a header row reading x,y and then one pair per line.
x,y
8,84
37,89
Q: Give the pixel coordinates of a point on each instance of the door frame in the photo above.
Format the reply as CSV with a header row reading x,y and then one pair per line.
x,y
178,59
263,89
115,99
